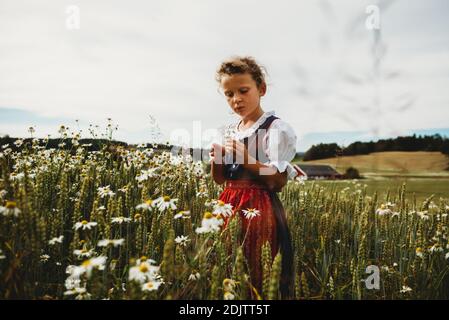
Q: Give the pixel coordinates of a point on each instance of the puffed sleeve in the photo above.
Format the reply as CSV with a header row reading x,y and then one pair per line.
x,y
281,147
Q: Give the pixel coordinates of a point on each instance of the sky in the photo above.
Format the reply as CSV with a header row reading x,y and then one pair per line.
x,y
330,77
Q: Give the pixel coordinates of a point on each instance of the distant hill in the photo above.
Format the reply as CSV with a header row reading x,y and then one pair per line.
x,y
415,163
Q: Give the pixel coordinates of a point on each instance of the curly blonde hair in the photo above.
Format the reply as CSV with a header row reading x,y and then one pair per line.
x,y
241,65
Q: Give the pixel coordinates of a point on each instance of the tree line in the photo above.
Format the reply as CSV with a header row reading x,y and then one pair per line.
x,y
407,143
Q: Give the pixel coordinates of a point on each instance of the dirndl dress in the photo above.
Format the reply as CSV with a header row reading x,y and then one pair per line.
x,y
244,191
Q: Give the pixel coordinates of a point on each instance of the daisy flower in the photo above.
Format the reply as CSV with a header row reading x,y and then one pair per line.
x,y
419,252
74,272
72,283
209,224
83,253
165,202
120,220
94,263
105,192
44,257
405,289
383,210
390,204
86,267
2,256
145,259
143,272
185,214
222,208
423,215
251,213
147,205
84,225
151,285
114,242
55,240
10,209
194,276
198,171
182,240
18,142
146,174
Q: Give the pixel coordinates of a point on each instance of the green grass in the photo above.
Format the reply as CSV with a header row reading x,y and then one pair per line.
x,y
422,188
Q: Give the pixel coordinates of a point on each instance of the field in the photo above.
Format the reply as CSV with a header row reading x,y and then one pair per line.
x,y
393,164
140,224
424,172
418,188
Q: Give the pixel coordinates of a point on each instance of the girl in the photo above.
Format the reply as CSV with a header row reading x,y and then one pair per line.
x,y
251,184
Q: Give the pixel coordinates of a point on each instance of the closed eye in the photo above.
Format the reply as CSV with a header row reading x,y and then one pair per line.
x,y
229,94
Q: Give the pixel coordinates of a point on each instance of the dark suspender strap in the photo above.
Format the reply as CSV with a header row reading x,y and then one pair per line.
x,y
264,126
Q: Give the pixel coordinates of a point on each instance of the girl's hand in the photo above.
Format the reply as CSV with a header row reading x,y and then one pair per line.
x,y
238,150
216,149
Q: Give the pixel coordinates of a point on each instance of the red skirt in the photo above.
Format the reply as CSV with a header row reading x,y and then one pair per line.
x,y
270,225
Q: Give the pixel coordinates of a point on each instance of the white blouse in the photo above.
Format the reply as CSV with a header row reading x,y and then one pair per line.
x,y
280,149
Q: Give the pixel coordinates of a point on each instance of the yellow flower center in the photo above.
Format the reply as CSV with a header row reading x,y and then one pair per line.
x,y
84,222
418,250
208,215
83,251
143,268
220,203
10,204
149,285
382,206
137,216
166,198
149,202
86,263
143,258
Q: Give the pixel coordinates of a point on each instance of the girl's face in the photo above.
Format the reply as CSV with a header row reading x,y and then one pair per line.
x,y
242,93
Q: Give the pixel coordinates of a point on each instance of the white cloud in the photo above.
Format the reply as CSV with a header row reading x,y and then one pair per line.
x,y
130,60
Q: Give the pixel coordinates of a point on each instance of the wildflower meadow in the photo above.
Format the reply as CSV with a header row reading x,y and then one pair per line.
x,y
141,223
